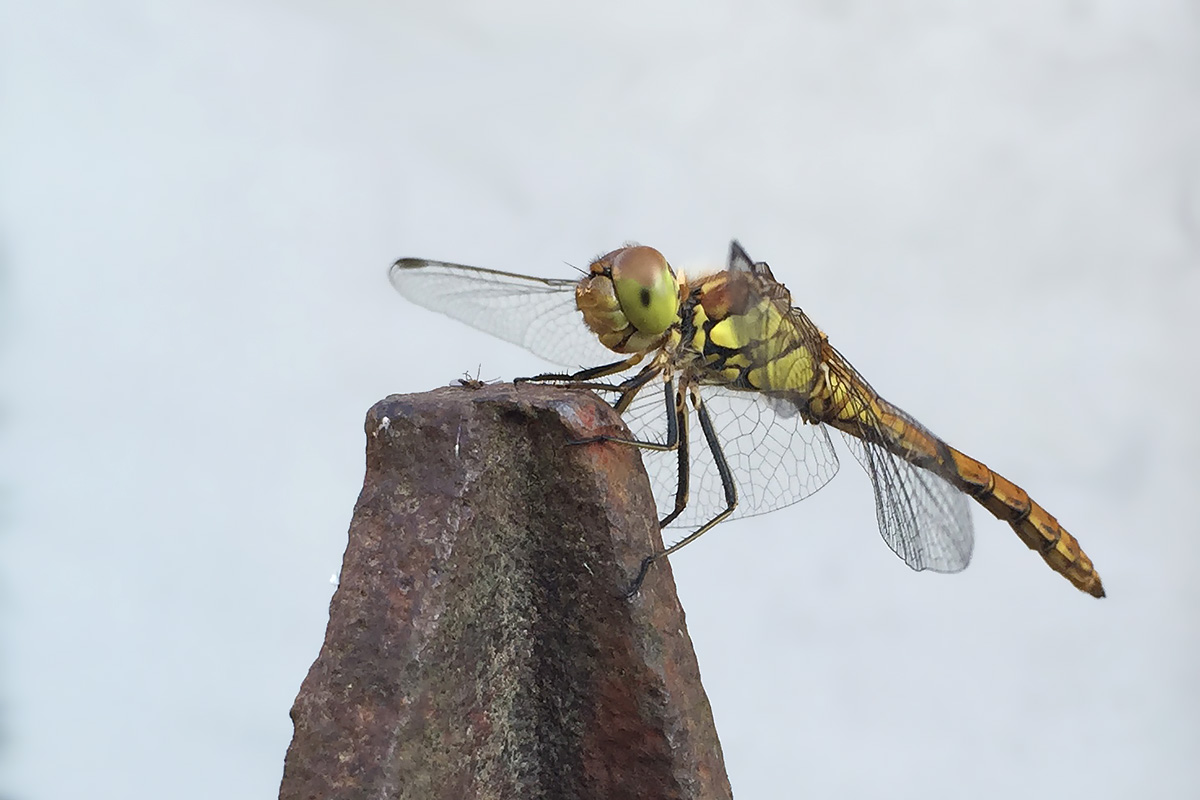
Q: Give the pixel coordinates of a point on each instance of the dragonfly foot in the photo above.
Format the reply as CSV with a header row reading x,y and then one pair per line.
x,y
589,440
641,576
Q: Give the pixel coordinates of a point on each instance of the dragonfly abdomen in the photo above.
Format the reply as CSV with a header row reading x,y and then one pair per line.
x,y
847,403
1035,526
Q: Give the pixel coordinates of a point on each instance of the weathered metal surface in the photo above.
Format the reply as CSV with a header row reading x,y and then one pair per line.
x,y
479,644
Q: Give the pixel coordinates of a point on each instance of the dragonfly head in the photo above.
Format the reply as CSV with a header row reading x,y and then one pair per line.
x,y
629,298
646,288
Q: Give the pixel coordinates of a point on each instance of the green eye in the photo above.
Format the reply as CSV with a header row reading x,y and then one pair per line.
x,y
646,289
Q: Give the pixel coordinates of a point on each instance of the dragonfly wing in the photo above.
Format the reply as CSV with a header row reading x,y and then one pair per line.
x,y
539,314
925,520
776,458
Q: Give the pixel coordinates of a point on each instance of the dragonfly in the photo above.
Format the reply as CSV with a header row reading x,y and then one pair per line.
x,y
765,387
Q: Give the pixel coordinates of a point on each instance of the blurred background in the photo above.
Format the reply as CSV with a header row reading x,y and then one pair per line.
x,y
993,209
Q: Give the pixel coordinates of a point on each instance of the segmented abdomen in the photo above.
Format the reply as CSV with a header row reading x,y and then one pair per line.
x,y
1038,529
852,406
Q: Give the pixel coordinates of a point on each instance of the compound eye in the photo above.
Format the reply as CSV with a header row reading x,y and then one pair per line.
x,y
646,289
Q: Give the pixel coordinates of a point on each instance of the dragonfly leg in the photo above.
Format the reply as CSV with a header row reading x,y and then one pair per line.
x,y
727,484
627,388
584,375
684,474
673,439
595,387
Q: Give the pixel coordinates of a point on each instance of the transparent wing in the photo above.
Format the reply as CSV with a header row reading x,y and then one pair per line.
x,y
925,520
537,313
776,458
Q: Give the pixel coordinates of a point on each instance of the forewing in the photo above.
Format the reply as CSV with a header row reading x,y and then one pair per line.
x,y
925,520
539,314
776,458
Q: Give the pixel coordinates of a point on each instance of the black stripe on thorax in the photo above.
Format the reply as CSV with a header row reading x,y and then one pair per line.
x,y
687,319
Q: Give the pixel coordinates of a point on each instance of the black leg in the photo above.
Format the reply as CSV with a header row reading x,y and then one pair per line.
x,y
727,484
683,478
673,439
585,374
630,388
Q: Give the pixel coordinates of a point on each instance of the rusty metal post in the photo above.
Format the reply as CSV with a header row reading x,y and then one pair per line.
x,y
479,644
